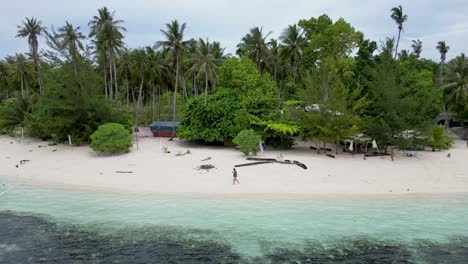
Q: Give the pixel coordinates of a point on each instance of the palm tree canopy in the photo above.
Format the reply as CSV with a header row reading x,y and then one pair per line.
x,y
71,38
104,15
443,49
174,35
31,28
292,44
204,60
254,46
417,47
458,76
398,16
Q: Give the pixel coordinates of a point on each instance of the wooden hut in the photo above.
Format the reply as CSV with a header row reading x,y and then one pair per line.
x,y
163,128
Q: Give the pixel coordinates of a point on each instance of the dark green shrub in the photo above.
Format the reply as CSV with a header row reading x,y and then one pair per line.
x,y
438,140
248,141
111,138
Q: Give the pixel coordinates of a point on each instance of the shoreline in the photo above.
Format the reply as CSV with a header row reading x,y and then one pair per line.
x,y
153,172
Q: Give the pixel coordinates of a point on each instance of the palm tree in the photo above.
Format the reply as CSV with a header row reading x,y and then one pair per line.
x,y
140,67
174,43
71,40
458,77
254,46
4,73
403,55
32,29
417,48
157,69
108,41
205,63
292,43
124,66
399,18
20,71
443,49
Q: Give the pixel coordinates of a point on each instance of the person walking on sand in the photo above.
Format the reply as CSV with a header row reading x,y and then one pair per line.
x,y
392,154
234,176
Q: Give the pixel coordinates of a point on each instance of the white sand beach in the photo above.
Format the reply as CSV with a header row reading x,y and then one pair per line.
x,y
153,171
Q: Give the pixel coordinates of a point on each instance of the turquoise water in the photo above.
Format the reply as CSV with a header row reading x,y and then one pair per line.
x,y
400,229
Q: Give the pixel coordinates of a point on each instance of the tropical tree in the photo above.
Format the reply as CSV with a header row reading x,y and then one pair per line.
x,y
293,43
205,64
32,29
417,48
20,66
156,69
399,18
71,40
443,49
5,88
457,88
253,45
107,32
174,43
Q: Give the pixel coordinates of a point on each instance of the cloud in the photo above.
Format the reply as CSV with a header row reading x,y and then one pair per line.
x,y
227,21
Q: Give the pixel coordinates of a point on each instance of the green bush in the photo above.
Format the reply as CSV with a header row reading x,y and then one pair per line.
x,y
111,138
438,140
248,141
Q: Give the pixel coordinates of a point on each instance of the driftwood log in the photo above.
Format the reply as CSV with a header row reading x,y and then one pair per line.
x,y
258,161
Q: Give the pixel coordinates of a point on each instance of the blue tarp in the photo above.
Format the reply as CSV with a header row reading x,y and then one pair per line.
x,y
163,126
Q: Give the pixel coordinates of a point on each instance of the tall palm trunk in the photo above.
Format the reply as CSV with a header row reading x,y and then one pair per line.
x,y
115,79
174,109
22,84
105,83
128,93
206,88
184,88
37,68
111,89
195,89
398,42
159,103
137,108
168,104
152,102
441,78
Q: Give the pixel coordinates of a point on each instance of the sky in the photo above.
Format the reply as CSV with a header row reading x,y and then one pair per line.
x,y
227,21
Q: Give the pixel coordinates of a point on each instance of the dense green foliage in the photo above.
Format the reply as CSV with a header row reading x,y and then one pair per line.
x,y
220,119
248,141
71,106
13,113
438,140
111,138
243,96
320,79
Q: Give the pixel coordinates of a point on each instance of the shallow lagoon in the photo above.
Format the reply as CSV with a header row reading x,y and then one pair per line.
x,y
57,226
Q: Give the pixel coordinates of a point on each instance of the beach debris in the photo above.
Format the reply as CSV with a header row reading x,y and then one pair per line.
x,y
30,150
54,150
259,161
330,155
165,149
206,167
24,161
205,159
16,165
179,154
326,149
123,171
